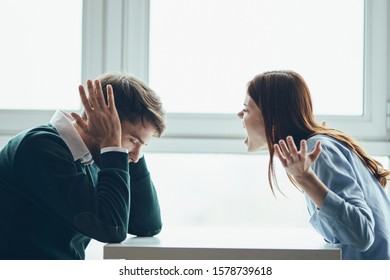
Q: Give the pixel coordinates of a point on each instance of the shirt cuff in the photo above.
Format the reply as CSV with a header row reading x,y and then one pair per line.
x,y
114,149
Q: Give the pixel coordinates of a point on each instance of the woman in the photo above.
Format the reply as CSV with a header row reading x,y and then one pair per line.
x,y
344,187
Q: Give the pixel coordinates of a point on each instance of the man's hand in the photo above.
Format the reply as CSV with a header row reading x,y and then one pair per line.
x,y
102,124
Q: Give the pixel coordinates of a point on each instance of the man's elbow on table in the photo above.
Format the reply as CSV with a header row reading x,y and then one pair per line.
x,y
143,232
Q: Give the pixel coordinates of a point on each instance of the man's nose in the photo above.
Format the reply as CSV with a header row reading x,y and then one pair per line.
x,y
135,154
240,114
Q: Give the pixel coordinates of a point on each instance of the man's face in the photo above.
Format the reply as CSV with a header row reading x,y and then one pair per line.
x,y
135,137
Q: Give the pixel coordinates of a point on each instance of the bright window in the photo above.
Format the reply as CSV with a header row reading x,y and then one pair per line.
x,y
199,56
203,53
40,54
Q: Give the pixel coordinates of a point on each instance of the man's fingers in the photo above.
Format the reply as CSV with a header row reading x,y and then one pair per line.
x,y
80,121
84,100
99,94
95,95
92,96
110,97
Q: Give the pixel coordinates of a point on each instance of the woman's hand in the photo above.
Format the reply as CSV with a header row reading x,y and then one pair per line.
x,y
102,124
297,163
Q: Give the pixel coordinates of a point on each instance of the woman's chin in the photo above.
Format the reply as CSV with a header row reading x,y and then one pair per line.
x,y
252,150
251,147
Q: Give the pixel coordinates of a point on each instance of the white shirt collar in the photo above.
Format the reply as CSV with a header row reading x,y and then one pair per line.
x,y
63,123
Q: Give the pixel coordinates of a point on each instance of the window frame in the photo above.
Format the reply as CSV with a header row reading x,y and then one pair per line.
x,y
116,38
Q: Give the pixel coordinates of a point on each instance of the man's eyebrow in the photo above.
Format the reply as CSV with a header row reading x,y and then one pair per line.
x,y
138,139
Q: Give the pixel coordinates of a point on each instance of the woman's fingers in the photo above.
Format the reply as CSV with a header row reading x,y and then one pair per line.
x,y
296,162
303,148
289,149
316,151
280,155
285,150
292,147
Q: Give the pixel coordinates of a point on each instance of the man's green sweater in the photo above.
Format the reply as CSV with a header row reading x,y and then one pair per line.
x,y
51,206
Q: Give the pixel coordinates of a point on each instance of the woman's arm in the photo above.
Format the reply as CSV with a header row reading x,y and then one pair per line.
x,y
342,214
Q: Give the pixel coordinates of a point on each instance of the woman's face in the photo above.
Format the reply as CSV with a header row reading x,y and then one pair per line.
x,y
252,120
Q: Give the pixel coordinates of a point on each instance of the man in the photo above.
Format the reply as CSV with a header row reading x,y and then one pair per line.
x,y
78,178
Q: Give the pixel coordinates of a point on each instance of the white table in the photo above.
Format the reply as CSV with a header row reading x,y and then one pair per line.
x,y
197,243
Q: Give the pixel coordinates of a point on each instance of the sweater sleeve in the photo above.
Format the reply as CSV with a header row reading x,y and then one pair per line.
x,y
344,216
48,176
145,217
